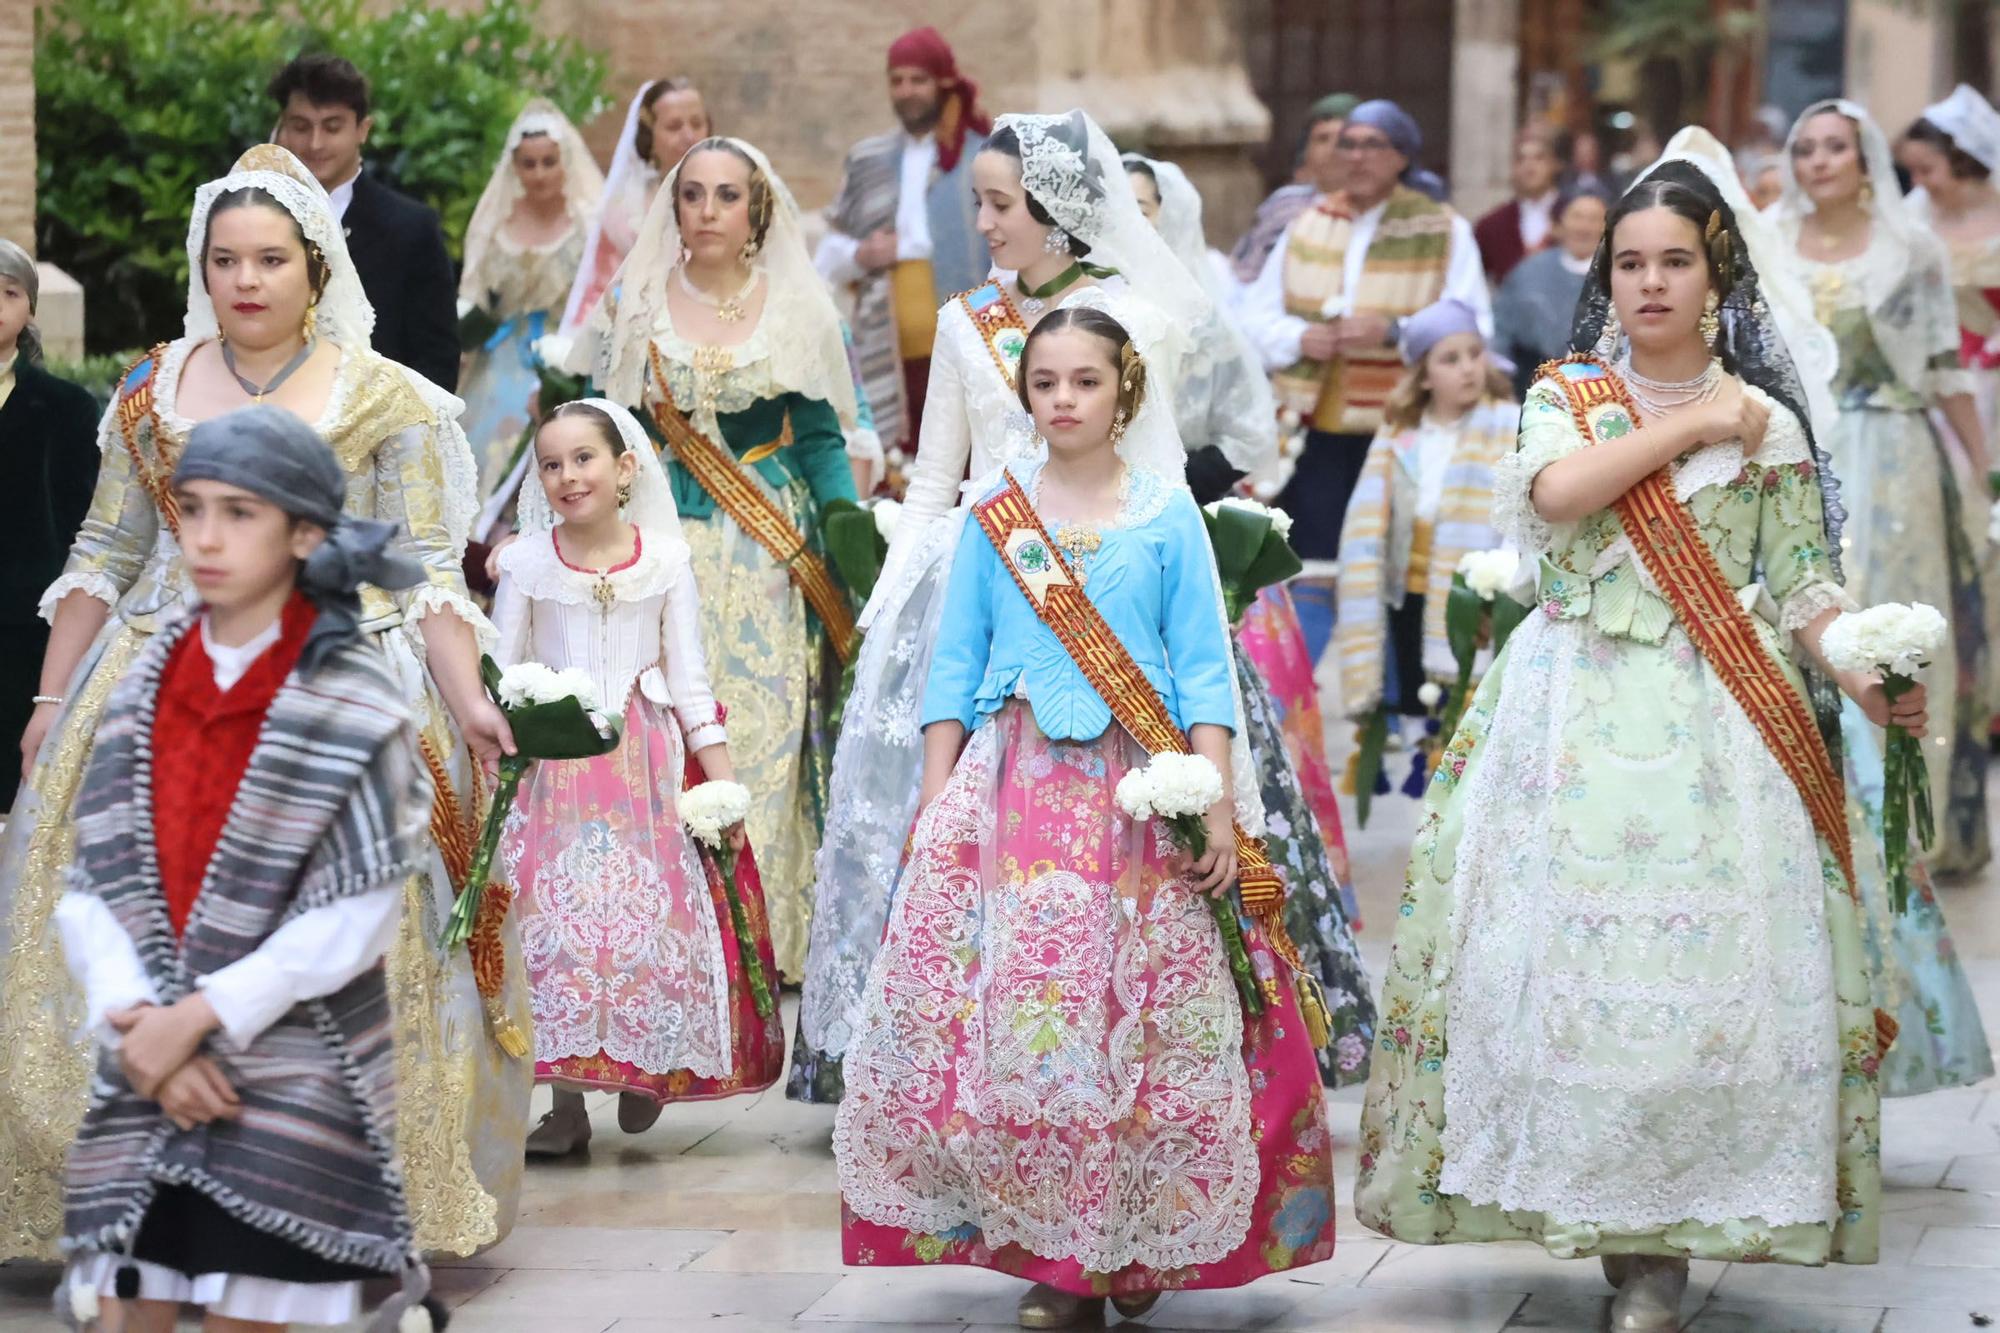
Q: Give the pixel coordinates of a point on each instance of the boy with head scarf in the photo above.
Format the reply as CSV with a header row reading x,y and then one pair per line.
x,y
253,805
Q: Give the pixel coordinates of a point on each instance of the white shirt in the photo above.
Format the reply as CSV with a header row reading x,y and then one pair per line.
x,y
313,954
1571,264
1275,334
1538,218
1430,459
341,195
835,256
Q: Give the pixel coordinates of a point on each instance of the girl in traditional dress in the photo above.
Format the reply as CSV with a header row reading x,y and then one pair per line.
x,y
1951,153
1058,214
639,983
720,335
1891,293
1424,500
1627,1012
239,1149
666,118
276,313
1882,284
1229,424
1055,1077
522,252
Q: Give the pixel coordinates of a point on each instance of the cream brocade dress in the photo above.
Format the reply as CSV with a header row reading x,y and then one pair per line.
x,y
462,1102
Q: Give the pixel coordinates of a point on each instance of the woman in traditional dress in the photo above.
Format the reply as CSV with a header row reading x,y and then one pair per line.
x,y
1627,1012
667,117
1941,1041
276,314
522,253
1951,154
1055,1076
720,335
640,981
1882,284
1229,423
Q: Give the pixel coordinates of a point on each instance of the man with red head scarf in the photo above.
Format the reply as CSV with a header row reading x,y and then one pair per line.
x,y
902,239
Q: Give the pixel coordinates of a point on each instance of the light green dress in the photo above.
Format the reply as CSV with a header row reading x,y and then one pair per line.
x,y
1627,1008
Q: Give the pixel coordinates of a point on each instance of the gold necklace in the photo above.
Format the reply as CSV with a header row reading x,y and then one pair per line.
x,y
728,309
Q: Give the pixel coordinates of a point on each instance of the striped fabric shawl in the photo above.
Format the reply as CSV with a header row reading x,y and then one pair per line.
x,y
1403,272
334,804
1375,546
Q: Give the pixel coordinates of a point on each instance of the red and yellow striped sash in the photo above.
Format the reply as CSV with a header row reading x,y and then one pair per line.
x,y
135,406
999,325
755,512
1095,648
1663,531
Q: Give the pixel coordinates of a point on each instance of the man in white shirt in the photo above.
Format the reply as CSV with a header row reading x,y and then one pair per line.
x,y
1523,225
1326,311
902,239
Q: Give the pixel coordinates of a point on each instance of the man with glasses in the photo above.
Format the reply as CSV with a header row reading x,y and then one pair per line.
x,y
1326,312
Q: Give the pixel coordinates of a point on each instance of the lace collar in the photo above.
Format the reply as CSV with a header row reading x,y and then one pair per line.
x,y
1143,494
538,568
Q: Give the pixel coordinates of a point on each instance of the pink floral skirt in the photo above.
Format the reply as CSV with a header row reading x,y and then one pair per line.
x,y
637,979
1055,1078
1271,636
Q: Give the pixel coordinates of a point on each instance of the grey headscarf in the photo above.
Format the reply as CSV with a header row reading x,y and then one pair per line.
x,y
19,265
271,453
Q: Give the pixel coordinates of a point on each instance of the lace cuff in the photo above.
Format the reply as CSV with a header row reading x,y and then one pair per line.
x,y
94,582
1806,604
1942,384
432,598
1514,515
705,735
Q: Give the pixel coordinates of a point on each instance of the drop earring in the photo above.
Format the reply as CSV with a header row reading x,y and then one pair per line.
x,y
310,325
749,252
1056,241
1117,427
1607,341
1711,319
624,494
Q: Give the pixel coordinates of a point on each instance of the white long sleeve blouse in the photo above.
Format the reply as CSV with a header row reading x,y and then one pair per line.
x,y
647,635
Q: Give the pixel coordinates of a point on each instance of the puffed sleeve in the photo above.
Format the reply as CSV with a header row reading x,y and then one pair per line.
x,y
686,668
425,483
1548,432
513,617
118,532
819,449
1791,529
1191,619
965,632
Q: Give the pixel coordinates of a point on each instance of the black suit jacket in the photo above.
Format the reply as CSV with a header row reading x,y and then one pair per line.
x,y
398,249
48,469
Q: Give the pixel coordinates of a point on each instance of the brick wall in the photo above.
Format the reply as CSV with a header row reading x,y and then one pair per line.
x,y
17,121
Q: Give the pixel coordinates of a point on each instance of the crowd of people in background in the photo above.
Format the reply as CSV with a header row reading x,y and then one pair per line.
x,y
889,554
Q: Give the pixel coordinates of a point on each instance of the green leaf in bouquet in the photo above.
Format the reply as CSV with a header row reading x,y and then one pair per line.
x,y
475,326
559,730
1274,562
489,675
854,544
1464,610
1368,762
557,387
1507,617
1237,535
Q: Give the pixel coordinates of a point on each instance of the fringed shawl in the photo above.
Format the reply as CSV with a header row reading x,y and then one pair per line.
x,y
1375,546
334,804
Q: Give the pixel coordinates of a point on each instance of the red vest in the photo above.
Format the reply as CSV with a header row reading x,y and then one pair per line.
x,y
202,742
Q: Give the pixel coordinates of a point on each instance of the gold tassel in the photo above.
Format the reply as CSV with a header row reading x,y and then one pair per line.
x,y
507,1034
1312,1008
1347,774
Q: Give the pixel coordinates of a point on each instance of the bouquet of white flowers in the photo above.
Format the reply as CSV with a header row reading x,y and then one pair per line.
x,y
1178,789
1253,549
1898,641
1488,573
888,514
710,810
1477,607
553,715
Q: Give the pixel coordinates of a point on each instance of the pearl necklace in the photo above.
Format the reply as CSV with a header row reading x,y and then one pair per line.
x,y
1662,397
728,309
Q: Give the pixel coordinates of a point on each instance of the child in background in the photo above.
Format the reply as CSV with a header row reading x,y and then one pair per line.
x,y
252,808
1424,500
639,986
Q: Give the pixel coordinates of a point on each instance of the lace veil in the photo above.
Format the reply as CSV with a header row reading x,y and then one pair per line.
x,y
1893,227
800,325
629,175
1241,413
583,188
651,508
343,313
1770,335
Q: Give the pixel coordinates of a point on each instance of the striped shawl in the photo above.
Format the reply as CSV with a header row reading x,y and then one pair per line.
x,y
335,803
1375,546
1404,271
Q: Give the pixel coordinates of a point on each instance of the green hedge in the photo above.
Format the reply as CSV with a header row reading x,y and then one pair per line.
x,y
137,104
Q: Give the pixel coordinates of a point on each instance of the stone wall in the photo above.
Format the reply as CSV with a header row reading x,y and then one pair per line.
x,y
17,121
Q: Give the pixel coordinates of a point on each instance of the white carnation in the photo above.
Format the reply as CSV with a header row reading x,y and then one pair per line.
x,y
1170,786
553,349
1430,694
83,1302
1487,573
888,513
1891,637
465,306
1281,522
533,683
710,808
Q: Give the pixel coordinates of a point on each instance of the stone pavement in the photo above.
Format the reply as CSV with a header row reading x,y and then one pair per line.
x,y
724,1216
